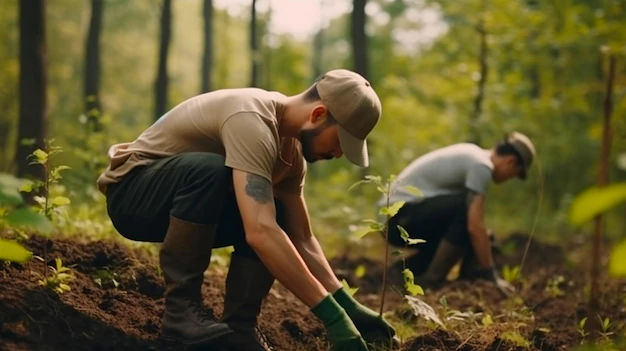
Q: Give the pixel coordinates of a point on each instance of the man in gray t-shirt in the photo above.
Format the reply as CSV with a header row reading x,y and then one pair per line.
x,y
450,215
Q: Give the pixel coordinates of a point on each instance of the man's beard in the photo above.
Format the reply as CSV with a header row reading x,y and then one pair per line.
x,y
307,139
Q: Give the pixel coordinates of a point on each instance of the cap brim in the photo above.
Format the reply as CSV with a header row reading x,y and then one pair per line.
x,y
353,148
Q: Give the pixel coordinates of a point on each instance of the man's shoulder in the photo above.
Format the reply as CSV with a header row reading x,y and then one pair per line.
x,y
472,153
266,104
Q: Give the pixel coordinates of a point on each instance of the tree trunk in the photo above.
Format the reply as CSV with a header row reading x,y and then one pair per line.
x,y
93,108
32,82
254,51
207,58
162,80
359,39
480,95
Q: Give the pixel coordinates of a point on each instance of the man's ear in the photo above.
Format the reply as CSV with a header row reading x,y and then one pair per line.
x,y
318,114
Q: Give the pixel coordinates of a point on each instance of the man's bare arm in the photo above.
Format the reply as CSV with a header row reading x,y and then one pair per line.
x,y
478,230
298,227
258,213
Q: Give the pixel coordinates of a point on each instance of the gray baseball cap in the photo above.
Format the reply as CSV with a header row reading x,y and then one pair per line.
x,y
525,148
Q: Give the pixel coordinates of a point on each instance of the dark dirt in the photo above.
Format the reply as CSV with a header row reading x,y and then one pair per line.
x,y
102,317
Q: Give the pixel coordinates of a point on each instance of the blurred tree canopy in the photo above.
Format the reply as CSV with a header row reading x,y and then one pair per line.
x,y
544,64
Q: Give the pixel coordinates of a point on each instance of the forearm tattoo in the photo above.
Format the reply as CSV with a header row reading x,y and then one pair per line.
x,y
259,189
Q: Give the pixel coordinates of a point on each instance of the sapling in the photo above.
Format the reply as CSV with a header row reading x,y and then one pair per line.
x,y
390,210
51,176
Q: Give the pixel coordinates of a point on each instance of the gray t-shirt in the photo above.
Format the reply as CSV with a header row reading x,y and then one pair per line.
x,y
449,170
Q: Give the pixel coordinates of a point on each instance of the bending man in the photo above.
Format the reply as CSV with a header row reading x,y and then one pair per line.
x,y
228,168
450,215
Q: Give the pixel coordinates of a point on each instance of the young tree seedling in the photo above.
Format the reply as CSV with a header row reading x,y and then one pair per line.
x,y
390,210
52,175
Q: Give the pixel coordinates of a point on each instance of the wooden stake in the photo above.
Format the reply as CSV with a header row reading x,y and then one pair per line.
x,y
603,179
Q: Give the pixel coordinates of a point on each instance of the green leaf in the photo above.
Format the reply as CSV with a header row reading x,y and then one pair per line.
x,y
27,187
60,201
594,201
40,155
349,290
14,252
9,190
403,233
357,184
617,263
364,231
413,190
393,209
396,253
415,241
487,320
360,270
409,283
27,218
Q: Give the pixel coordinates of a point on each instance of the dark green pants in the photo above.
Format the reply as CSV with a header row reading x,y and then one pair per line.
x,y
196,187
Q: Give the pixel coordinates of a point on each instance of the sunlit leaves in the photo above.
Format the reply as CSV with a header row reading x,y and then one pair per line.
x,y
595,201
407,238
409,283
392,210
14,252
617,262
351,291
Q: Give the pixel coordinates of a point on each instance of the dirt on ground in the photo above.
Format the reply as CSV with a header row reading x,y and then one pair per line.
x,y
116,302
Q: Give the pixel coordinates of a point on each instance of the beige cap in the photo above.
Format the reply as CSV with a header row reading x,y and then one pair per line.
x,y
524,147
352,101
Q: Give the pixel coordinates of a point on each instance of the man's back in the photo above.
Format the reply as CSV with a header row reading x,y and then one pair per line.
x,y
212,122
449,170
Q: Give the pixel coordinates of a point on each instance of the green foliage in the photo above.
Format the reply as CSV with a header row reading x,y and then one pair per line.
x,y
58,280
13,252
14,212
511,274
516,338
350,290
617,263
595,201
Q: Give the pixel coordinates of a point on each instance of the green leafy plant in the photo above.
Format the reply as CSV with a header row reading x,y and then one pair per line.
x,y
15,213
553,286
593,202
580,328
105,277
388,211
48,204
59,278
511,274
605,324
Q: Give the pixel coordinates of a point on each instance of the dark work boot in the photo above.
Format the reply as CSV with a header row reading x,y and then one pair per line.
x,y
184,256
446,256
247,284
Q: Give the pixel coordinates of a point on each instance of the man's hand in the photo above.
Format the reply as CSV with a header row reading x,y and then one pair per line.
x,y
371,324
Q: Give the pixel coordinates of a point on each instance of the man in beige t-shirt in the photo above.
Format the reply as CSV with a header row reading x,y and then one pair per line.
x,y
228,168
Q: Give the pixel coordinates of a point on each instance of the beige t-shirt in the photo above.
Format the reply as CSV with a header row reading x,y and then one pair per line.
x,y
240,124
